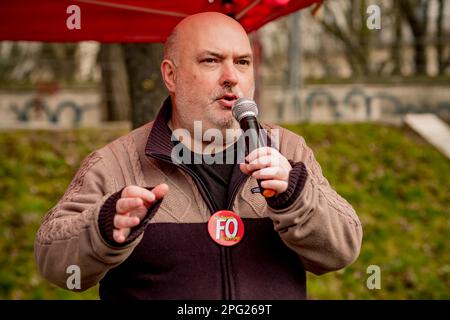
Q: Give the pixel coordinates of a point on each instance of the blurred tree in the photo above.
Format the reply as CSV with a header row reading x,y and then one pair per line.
x,y
345,21
441,36
116,99
56,63
292,80
351,31
398,39
146,86
415,13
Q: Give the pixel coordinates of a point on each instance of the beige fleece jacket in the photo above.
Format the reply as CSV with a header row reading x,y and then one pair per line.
x,y
320,226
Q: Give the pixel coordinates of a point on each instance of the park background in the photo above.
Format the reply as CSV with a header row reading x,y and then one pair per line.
x,y
342,83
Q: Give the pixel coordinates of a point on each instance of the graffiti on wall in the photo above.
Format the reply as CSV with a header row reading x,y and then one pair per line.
x,y
37,108
357,101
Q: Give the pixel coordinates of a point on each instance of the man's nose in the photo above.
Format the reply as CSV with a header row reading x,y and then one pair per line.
x,y
229,75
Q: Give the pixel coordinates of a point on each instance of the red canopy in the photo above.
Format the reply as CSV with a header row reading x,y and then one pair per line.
x,y
125,20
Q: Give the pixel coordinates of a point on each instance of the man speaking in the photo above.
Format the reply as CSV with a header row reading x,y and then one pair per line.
x,y
147,225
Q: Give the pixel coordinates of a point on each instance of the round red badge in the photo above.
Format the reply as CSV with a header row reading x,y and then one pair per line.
x,y
226,228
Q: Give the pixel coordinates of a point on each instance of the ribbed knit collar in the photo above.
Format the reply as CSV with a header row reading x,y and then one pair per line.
x,y
159,140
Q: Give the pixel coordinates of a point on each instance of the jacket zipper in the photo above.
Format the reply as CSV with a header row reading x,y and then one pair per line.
x,y
227,249
210,203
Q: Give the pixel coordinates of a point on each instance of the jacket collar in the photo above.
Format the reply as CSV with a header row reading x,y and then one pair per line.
x,y
160,138
159,145
159,141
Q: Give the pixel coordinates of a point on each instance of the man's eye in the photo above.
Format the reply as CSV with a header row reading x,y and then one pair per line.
x,y
244,62
209,60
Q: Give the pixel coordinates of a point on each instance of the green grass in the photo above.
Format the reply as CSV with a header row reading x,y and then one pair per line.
x,y
35,169
399,186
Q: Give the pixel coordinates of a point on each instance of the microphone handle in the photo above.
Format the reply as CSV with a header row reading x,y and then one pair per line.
x,y
250,127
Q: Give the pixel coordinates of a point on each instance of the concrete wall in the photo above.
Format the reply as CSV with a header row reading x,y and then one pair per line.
x,y
66,108
331,103
315,103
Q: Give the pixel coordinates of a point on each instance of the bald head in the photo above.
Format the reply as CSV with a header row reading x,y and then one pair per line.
x,y
192,28
208,64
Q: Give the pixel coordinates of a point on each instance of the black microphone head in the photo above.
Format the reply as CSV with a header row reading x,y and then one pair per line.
x,y
244,107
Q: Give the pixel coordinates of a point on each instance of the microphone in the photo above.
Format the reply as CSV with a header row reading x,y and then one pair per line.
x,y
245,112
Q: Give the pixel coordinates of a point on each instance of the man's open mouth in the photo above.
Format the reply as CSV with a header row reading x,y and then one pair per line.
x,y
227,100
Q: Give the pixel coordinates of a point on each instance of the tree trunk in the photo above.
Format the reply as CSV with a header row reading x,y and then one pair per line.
x,y
255,41
352,36
420,57
418,25
292,76
115,83
443,63
398,42
147,90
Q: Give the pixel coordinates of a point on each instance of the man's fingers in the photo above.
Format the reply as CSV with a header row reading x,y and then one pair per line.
x,y
138,192
118,236
149,197
278,185
139,212
244,169
125,205
121,235
276,173
263,151
262,162
123,221
160,190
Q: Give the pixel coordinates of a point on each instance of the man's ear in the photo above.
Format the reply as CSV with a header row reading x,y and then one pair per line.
x,y
168,73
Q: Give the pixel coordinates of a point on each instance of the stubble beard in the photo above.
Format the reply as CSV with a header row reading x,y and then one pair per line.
x,y
218,121
213,117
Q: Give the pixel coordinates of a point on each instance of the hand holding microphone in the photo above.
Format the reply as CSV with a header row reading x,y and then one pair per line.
x,y
264,163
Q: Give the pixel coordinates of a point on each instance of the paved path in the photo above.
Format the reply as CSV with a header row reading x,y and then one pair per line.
x,y
432,129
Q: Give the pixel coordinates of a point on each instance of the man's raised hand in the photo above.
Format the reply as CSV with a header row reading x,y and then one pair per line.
x,y
132,207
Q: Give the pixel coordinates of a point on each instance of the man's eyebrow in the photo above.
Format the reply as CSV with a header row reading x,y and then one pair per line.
x,y
245,56
221,56
211,53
